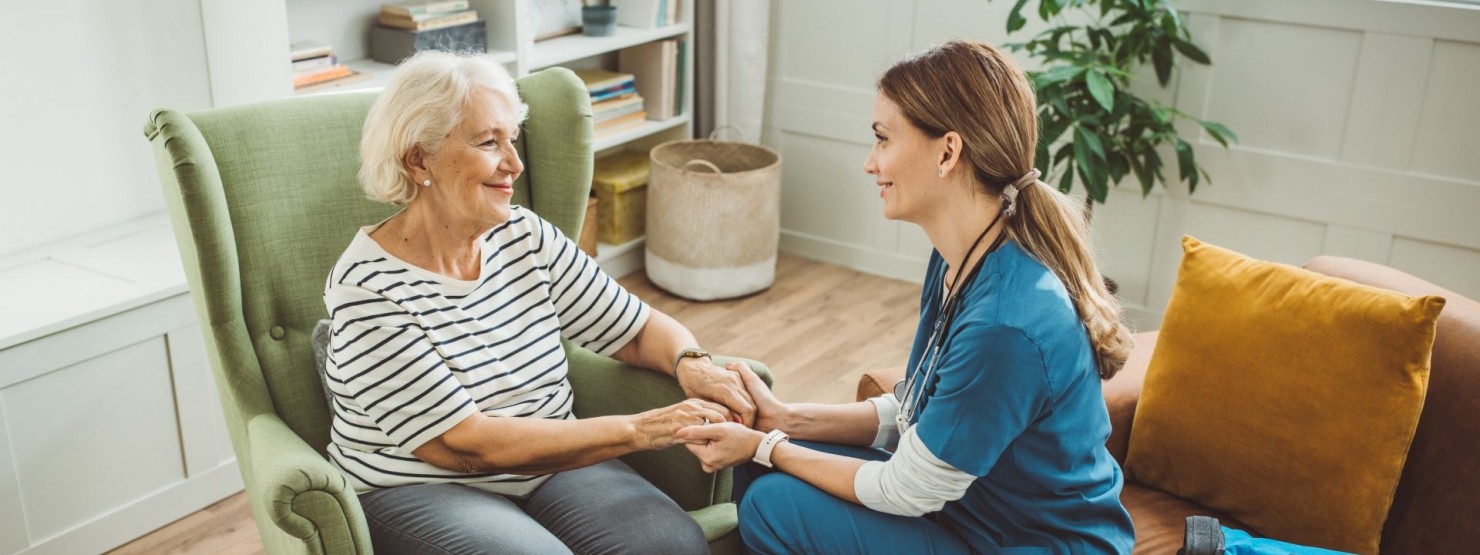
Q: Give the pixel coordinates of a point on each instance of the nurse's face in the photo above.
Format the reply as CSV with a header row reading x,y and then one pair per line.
x,y
902,162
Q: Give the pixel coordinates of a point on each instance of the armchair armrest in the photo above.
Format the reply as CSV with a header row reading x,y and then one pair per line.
x,y
302,493
1123,391
604,386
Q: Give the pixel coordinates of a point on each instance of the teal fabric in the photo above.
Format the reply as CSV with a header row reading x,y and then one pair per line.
x,y
263,199
1239,542
1015,400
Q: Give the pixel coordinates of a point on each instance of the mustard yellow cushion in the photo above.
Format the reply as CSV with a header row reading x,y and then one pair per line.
x,y
1283,398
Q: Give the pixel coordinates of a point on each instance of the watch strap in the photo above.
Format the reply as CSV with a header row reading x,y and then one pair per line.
x,y
768,444
691,352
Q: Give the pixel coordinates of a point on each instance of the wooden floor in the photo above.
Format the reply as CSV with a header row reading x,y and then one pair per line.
x,y
818,328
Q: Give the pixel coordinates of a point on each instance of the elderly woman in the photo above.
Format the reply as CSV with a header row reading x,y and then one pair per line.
x,y
452,412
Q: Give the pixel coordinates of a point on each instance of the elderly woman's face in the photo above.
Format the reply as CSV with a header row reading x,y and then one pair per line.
x,y
473,172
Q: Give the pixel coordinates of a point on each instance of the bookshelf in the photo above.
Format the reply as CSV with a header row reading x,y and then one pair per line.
x,y
260,53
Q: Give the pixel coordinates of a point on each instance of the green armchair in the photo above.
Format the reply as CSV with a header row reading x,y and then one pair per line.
x,y
263,199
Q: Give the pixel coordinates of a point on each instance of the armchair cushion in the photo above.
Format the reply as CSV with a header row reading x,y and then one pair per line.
x,y
1282,397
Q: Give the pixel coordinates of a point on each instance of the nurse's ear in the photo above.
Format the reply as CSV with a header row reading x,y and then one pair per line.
x,y
948,154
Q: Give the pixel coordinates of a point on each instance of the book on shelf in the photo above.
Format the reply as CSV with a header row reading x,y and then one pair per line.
x,y
607,115
616,125
315,77
305,49
315,64
353,77
657,68
646,14
624,104
414,9
433,21
597,79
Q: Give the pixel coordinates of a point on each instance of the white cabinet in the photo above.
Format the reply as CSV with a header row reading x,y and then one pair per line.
x,y
109,424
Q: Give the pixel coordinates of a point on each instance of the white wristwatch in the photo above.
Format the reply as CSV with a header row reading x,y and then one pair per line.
x,y
763,452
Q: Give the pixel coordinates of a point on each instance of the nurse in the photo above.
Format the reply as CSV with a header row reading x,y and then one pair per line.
x,y
998,433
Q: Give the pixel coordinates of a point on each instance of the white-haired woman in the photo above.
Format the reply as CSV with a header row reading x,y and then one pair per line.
x,y
452,412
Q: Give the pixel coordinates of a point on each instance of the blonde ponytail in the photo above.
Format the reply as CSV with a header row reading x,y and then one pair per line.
x,y
1051,227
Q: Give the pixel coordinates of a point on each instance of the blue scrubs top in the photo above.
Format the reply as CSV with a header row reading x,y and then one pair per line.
x,y
1016,401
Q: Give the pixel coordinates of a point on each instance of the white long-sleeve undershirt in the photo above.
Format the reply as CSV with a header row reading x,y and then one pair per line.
x,y
914,481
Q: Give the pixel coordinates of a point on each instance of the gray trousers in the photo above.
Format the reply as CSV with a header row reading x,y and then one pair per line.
x,y
603,508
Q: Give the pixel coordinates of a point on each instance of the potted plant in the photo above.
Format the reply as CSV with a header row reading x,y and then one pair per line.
x,y
1093,126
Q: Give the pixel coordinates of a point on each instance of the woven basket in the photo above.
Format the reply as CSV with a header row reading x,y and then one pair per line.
x,y
713,218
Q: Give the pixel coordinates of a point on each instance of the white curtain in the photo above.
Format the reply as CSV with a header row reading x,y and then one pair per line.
x,y
742,36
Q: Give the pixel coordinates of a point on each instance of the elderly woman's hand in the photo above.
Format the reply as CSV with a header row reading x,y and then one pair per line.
x,y
657,428
699,378
720,446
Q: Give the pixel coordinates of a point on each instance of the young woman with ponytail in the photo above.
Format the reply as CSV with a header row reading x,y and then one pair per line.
x,y
998,433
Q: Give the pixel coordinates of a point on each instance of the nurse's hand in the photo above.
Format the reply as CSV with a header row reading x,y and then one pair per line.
x,y
720,446
770,412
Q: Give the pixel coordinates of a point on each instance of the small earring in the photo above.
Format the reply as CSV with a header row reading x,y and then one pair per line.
x,y
427,183
940,172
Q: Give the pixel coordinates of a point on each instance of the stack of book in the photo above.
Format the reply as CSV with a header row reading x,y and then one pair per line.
x,y
427,15
316,68
615,103
658,67
646,14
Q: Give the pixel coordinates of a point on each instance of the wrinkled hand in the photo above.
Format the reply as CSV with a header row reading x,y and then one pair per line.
x,y
699,378
770,412
657,428
720,446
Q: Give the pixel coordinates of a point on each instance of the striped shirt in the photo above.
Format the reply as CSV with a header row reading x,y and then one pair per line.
x,y
412,353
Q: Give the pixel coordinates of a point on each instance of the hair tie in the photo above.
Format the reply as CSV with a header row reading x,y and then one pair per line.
x,y
1010,193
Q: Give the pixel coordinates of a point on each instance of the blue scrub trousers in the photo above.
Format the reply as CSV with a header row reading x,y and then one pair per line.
x,y
779,513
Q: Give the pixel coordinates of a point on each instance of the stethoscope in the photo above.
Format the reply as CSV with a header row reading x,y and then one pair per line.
x,y
911,391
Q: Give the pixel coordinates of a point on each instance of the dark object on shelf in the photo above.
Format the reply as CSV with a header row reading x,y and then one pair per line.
x,y
390,45
598,21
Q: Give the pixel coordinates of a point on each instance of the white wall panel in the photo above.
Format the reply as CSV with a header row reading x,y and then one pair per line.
x,y
825,173
1387,100
1283,87
860,34
1448,141
1121,238
1449,267
81,78
1261,236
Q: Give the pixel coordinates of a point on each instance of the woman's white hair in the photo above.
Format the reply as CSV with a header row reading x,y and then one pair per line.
x,y
422,104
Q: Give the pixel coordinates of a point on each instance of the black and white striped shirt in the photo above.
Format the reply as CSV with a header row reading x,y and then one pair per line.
x,y
412,353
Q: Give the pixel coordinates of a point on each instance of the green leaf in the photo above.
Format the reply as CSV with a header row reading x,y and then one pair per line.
x,y
1063,153
1066,181
1191,51
1094,183
1061,73
1185,165
1090,140
1015,19
1161,57
1220,133
1143,175
1101,89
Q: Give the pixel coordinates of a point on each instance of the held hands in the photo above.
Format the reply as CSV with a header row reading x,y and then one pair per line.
x,y
658,428
720,446
700,378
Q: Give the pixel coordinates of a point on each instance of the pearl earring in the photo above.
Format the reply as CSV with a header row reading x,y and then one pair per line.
x,y
427,183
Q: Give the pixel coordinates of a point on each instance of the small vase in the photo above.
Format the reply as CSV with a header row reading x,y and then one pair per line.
x,y
598,21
